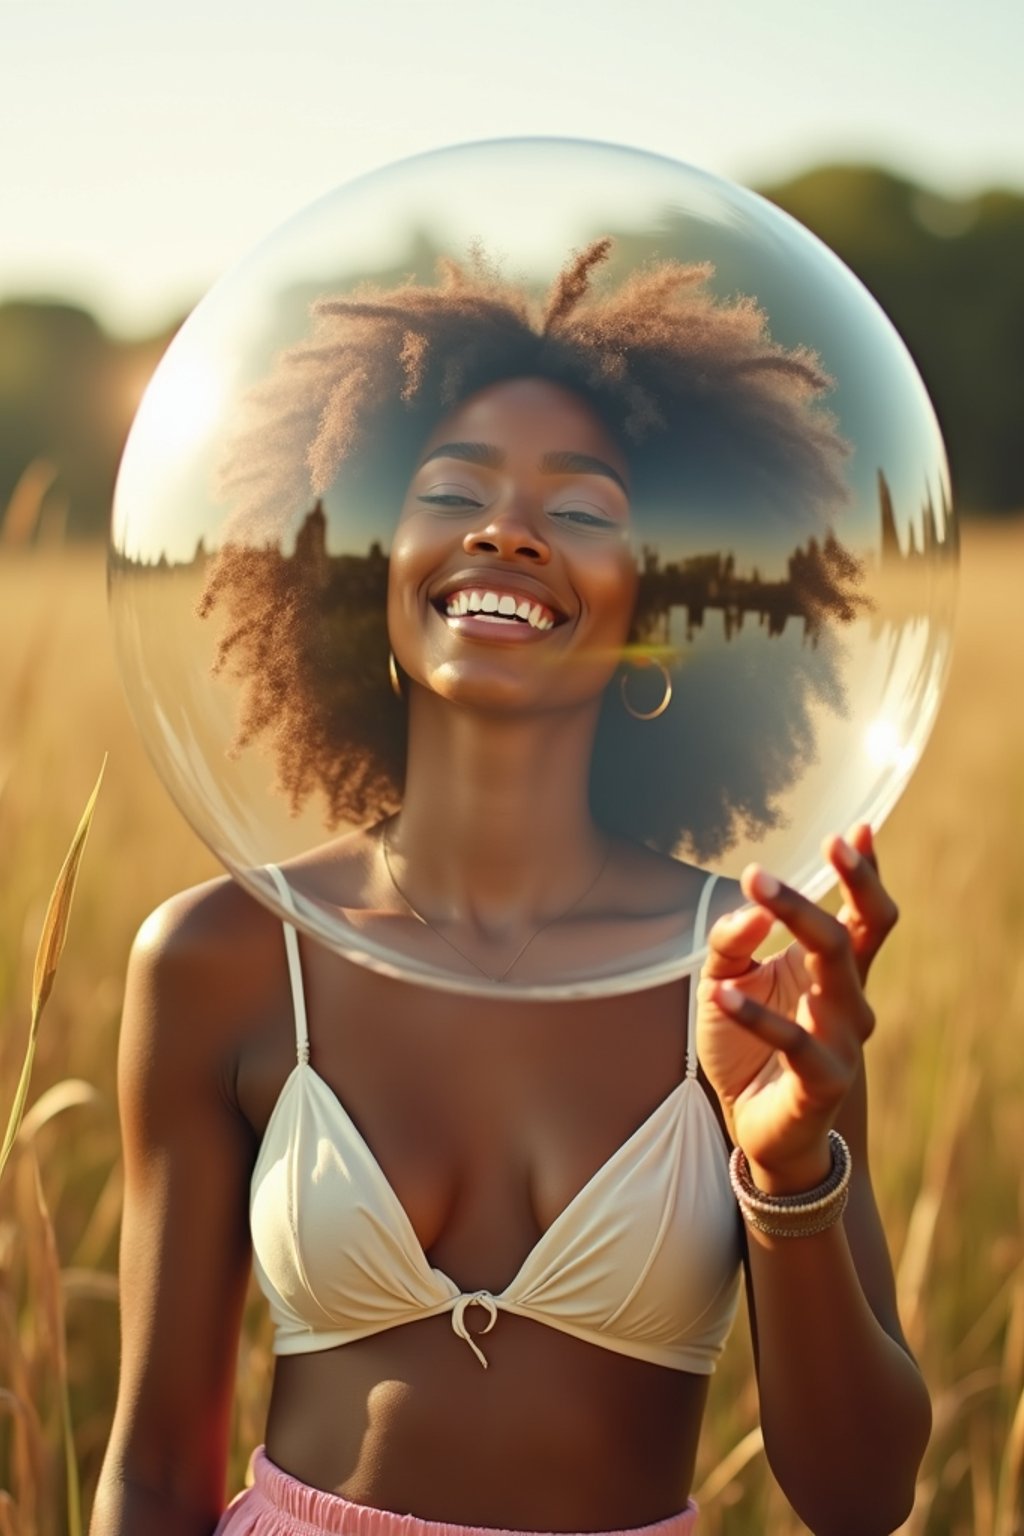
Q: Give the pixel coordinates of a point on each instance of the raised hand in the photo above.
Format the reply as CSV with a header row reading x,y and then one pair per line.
x,y
781,1041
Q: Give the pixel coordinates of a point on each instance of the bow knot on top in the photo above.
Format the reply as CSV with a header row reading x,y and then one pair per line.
x,y
474,1299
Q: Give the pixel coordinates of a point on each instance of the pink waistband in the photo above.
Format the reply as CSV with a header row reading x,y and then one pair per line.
x,y
307,1510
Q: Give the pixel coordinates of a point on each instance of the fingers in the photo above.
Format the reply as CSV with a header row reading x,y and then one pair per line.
x,y
836,991
824,1071
861,837
869,913
833,954
823,936
733,940
774,1029
821,1017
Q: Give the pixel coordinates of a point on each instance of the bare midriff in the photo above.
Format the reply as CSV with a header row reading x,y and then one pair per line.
x,y
556,1435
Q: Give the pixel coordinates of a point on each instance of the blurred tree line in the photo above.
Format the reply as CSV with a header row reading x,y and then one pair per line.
x,y
947,272
950,276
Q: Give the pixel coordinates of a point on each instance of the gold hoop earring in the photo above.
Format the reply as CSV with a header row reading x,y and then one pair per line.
x,y
666,698
393,677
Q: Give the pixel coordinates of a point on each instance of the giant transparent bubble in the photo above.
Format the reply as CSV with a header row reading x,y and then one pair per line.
x,y
788,534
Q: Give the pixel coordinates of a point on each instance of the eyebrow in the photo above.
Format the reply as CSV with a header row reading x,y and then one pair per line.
x,y
472,453
580,464
560,463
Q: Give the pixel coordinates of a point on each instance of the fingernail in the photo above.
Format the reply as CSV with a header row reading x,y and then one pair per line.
x,y
765,885
730,997
848,857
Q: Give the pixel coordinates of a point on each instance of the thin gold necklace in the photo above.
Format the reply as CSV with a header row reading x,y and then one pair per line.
x,y
521,951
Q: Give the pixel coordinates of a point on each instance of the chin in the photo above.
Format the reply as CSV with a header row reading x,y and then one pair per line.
x,y
487,688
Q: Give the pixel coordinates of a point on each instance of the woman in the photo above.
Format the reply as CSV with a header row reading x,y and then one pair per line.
x,y
505,1314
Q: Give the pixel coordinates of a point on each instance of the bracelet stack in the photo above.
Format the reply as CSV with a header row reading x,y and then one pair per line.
x,y
803,1215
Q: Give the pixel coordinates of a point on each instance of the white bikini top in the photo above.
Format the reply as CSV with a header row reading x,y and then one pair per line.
x,y
644,1260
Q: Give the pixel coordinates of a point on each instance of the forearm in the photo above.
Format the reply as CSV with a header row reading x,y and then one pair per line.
x,y
125,1511
844,1410
126,1508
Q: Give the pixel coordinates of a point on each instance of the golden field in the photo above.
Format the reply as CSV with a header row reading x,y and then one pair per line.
x,y
946,1063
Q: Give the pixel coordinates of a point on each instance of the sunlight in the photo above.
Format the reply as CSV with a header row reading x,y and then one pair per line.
x,y
181,404
886,748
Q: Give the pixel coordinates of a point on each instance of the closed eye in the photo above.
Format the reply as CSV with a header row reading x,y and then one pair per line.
x,y
584,519
450,501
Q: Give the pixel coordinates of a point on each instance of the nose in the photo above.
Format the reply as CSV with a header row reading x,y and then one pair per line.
x,y
508,532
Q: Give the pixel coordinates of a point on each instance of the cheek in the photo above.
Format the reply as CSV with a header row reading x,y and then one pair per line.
x,y
403,581
419,548
612,593
411,559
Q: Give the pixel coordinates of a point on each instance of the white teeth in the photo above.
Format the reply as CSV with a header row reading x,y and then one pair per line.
x,y
499,606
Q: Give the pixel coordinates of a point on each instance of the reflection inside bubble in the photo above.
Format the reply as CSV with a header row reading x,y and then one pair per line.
x,y
790,554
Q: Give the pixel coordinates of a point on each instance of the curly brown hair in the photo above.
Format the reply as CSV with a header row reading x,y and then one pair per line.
x,y
694,389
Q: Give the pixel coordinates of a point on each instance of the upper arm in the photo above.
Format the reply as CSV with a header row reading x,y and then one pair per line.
x,y
185,1247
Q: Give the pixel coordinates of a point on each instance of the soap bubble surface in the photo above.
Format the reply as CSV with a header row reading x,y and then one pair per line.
x,y
795,573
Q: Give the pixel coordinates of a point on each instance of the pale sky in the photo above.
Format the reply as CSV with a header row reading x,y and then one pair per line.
x,y
143,151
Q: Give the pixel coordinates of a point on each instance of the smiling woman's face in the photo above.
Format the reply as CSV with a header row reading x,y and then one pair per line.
x,y
512,579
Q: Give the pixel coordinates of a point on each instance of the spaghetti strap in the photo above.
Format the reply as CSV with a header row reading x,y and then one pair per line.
x,y
700,925
700,922
291,944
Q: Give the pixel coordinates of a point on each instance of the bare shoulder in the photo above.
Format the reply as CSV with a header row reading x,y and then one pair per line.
x,y
198,922
652,884
343,873
201,967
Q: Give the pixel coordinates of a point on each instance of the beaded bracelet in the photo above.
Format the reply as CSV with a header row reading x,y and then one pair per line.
x,y
801,1215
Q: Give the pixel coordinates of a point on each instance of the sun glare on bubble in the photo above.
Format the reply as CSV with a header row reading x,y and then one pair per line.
x,y
181,403
180,412
886,748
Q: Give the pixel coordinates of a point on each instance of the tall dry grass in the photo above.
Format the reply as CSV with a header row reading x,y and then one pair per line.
x,y
49,949
946,1064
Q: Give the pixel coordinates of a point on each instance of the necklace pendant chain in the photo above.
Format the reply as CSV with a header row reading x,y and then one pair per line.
x,y
521,951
